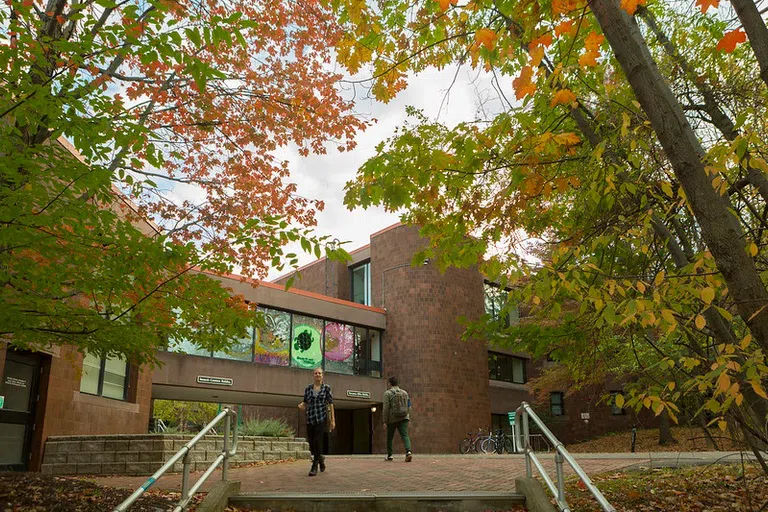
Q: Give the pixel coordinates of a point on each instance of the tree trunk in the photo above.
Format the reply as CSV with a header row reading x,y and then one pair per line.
x,y
665,431
756,30
720,229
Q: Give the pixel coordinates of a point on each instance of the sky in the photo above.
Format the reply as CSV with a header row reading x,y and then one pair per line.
x,y
324,176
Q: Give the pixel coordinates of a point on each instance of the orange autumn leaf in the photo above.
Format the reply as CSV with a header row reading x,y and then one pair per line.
x,y
537,54
564,28
444,4
487,38
730,40
706,4
631,5
564,97
589,59
543,40
593,41
523,85
563,6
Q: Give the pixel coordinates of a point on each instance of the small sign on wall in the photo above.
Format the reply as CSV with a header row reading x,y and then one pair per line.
x,y
358,394
2,401
585,415
13,381
219,381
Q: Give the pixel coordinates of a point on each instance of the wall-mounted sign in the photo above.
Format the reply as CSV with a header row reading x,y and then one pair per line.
x,y
219,381
306,350
13,381
358,394
2,401
585,415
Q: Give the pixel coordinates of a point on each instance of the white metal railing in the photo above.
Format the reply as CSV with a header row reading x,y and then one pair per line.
x,y
188,492
525,412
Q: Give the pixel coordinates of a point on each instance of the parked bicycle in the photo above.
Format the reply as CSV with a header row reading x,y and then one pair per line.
x,y
499,442
472,442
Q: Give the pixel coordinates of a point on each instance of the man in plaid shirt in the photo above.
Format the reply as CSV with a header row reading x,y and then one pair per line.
x,y
318,403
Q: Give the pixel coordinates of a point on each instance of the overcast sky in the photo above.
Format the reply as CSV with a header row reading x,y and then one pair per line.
x,y
324,177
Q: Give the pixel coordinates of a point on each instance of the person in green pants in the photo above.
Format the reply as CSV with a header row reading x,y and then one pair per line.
x,y
397,408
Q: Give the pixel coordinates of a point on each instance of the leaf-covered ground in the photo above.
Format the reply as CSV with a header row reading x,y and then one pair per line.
x,y
689,439
34,492
714,488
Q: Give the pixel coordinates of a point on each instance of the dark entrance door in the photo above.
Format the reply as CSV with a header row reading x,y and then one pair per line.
x,y
17,417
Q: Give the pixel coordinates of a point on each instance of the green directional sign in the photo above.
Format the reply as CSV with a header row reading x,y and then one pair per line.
x,y
511,415
2,402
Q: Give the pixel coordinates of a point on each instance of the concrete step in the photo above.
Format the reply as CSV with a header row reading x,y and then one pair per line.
x,y
380,502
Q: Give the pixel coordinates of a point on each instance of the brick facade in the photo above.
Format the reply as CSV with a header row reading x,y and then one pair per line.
x,y
63,410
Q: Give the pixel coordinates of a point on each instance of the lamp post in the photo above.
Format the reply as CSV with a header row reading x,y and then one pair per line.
x,y
393,268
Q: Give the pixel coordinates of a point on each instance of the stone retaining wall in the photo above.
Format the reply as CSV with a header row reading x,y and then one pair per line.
x,y
143,454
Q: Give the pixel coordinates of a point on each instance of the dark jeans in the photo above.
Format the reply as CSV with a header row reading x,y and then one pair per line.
x,y
402,428
315,438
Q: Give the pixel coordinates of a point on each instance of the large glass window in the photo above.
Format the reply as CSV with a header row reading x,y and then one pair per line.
x,y
272,344
361,284
374,364
506,368
495,301
339,348
556,407
307,342
104,377
240,350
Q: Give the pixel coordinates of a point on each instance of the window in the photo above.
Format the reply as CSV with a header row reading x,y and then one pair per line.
x,y
556,403
506,368
361,284
615,409
104,377
500,421
495,302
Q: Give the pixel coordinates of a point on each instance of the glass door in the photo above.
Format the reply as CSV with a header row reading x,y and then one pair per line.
x,y
17,416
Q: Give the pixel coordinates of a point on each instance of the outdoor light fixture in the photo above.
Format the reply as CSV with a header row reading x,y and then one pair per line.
x,y
373,409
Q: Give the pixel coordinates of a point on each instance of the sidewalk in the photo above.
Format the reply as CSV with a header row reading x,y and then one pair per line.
x,y
357,474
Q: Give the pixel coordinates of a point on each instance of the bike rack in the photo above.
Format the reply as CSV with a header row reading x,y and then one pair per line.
x,y
186,492
525,412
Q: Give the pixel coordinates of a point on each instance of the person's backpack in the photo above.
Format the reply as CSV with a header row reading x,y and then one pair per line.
x,y
399,404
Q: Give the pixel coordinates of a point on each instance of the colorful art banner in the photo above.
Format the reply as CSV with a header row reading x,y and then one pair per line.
x,y
306,347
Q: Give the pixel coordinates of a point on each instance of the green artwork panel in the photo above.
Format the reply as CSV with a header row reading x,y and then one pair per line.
x,y
307,342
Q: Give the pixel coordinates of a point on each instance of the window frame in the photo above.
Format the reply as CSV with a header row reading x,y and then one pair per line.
x,y
561,396
366,282
511,359
100,387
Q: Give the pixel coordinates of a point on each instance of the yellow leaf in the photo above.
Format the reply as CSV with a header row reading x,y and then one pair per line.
x,y
567,139
739,399
659,278
723,383
658,408
619,400
671,385
752,249
700,322
487,38
667,315
734,389
563,96
640,287
746,341
708,295
666,187
537,54
758,389
536,300
722,424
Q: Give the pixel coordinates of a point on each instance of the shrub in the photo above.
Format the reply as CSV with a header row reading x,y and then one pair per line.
x,y
270,427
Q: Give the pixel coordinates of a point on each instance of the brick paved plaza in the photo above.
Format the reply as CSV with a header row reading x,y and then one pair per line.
x,y
371,474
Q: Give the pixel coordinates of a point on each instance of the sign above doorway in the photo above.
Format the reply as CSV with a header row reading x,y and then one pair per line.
x,y
358,394
219,381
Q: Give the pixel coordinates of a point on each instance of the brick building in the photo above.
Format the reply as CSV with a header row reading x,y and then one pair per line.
x,y
362,321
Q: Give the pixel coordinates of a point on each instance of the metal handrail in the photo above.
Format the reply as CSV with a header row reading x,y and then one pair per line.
x,y
524,412
186,492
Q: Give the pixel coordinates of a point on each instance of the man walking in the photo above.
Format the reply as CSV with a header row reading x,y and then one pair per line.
x,y
397,405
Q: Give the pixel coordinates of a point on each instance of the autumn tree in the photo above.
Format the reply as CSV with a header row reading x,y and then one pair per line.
x,y
631,145
140,146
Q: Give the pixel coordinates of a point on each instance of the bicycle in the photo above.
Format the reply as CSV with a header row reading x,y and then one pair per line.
x,y
499,442
471,442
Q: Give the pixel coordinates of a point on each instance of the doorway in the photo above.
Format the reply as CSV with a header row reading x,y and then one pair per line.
x,y
17,415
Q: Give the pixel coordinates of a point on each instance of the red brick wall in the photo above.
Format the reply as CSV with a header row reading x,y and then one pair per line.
x,y
66,411
446,377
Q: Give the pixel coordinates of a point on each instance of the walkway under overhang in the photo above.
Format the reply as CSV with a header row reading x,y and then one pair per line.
x,y
206,379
